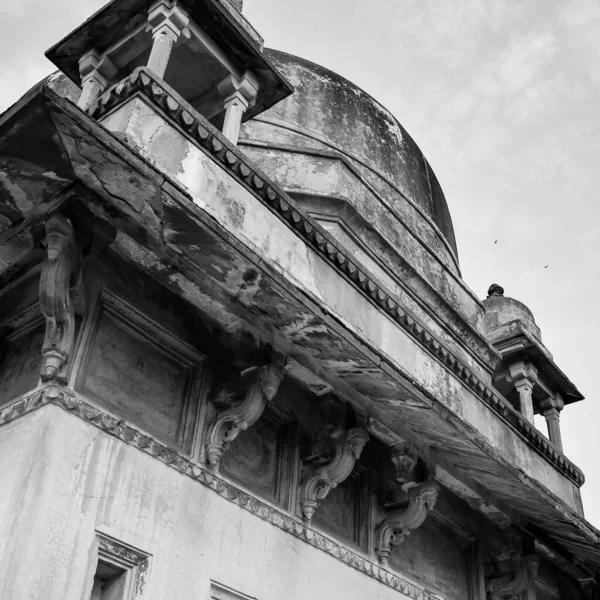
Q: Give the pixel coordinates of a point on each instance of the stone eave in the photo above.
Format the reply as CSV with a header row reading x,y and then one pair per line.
x,y
520,343
120,17
146,181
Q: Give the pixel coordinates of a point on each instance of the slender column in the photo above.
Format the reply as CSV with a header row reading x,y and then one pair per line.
x,y
240,94
164,38
167,22
91,87
551,408
524,376
525,389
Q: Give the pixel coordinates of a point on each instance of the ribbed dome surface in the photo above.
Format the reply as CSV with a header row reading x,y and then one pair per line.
x,y
329,109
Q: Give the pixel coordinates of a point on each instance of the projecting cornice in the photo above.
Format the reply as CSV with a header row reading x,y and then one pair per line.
x,y
142,81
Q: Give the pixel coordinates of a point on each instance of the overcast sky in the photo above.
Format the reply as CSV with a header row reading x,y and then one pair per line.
x,y
502,96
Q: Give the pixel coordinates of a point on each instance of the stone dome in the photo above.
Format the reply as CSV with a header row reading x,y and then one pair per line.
x,y
328,113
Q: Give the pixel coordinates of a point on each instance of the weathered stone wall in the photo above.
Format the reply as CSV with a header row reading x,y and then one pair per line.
x,y
71,480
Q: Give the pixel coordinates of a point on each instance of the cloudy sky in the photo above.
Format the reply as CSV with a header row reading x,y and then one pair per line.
x,y
503,97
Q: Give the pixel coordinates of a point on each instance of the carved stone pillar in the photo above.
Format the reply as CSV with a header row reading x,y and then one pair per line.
x,y
167,22
239,95
524,376
230,423
551,408
58,282
399,523
519,581
320,480
96,71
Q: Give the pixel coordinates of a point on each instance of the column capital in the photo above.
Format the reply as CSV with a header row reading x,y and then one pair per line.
x,y
523,372
552,403
244,89
92,63
166,17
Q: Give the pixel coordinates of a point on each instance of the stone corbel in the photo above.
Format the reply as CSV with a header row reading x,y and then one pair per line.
x,y
261,390
96,71
399,523
510,586
322,479
167,22
239,94
59,280
405,462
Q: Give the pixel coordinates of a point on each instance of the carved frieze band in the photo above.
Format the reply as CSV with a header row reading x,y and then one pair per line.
x,y
228,425
58,281
510,586
320,480
69,401
399,523
203,133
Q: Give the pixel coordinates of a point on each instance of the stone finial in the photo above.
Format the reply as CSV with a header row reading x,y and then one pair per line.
x,y
495,290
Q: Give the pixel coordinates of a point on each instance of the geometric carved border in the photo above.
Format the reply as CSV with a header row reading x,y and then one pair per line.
x,y
68,400
132,561
133,320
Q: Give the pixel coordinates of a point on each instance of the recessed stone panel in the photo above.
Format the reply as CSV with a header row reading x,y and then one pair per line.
x,y
20,359
260,457
137,370
433,558
344,513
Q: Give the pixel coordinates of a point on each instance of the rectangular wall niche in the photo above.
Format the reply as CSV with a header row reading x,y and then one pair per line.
x,y
121,571
142,372
218,591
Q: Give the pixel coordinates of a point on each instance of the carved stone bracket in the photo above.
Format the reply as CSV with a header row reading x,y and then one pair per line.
x,y
399,523
405,461
322,479
229,423
58,284
507,587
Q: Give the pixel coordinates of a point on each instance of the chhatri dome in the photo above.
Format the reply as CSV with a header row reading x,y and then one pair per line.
x,y
328,117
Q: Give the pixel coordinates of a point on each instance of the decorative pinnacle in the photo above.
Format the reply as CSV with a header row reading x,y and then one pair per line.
x,y
495,290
